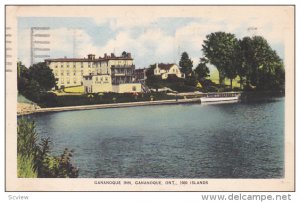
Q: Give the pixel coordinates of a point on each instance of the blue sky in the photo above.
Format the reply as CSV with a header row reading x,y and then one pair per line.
x,y
160,39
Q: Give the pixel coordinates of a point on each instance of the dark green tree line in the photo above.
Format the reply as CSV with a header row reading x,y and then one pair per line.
x,y
251,59
35,81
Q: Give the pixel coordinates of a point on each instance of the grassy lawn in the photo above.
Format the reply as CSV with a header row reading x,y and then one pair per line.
x,y
214,76
74,90
22,99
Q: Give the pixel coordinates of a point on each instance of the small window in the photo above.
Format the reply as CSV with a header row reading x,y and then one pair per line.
x,y
133,88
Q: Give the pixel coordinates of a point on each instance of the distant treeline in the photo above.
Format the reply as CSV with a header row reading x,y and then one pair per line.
x,y
251,59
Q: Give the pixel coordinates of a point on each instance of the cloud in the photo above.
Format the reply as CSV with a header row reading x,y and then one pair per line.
x,y
150,40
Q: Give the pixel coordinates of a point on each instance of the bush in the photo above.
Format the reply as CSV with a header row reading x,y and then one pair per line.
x,y
35,159
105,98
48,99
25,166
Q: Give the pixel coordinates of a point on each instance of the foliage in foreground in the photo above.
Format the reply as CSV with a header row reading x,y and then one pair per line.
x,y
35,158
26,167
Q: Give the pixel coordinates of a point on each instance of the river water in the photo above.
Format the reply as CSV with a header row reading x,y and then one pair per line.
x,y
238,140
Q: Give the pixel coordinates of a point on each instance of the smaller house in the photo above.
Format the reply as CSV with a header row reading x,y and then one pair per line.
x,y
97,83
103,83
166,70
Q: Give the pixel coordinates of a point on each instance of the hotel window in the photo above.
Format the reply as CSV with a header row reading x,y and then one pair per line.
x,y
62,81
133,88
56,73
74,73
68,73
62,73
81,72
75,80
55,66
74,64
62,66
68,80
81,64
67,64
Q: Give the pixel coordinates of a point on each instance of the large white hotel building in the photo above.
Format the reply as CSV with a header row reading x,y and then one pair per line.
x,y
103,74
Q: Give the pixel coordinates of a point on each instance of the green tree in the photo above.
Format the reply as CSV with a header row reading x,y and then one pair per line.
x,y
263,68
218,49
202,71
191,80
44,76
186,64
153,81
242,61
23,77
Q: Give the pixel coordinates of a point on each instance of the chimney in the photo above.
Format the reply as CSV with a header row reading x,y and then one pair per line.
x,y
105,55
129,55
91,57
112,55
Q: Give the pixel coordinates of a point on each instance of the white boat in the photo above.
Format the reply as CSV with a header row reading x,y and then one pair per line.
x,y
220,97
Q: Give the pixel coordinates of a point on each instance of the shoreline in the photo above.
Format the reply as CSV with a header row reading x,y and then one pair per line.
x,y
107,106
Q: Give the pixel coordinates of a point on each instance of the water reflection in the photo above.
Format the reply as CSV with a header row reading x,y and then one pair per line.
x,y
178,141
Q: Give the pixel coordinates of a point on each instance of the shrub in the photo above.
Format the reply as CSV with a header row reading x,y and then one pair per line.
x,y
25,167
35,158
